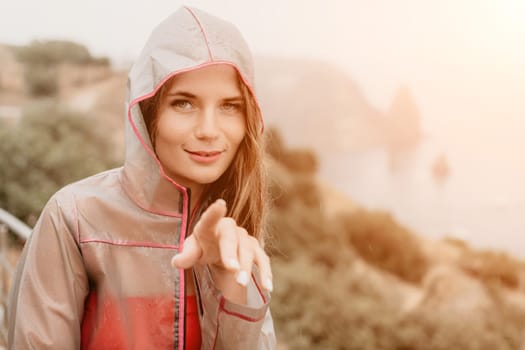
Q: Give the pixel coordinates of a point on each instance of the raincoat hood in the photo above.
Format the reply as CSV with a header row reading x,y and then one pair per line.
x,y
189,39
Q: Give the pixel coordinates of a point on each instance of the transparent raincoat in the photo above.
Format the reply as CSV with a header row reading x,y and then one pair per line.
x,y
96,273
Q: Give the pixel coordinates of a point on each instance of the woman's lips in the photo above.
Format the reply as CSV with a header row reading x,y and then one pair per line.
x,y
205,156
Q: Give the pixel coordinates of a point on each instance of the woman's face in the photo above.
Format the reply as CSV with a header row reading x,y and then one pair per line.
x,y
200,124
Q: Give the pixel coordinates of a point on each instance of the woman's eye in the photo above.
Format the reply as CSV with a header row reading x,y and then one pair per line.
x,y
184,105
232,107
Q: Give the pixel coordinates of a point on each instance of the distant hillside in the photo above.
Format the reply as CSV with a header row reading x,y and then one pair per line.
x,y
12,83
317,105
350,278
64,72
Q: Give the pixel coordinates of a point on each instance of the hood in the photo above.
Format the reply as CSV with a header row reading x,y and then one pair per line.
x,y
189,39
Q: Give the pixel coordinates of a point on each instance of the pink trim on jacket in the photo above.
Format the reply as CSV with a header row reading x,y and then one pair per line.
x,y
130,243
75,217
259,288
231,313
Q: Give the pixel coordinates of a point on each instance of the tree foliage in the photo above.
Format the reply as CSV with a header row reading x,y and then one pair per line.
x,y
53,52
41,59
48,148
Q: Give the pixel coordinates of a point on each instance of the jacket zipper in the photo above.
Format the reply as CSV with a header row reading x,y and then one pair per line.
x,y
186,229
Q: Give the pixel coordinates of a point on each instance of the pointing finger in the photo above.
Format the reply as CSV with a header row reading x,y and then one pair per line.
x,y
210,218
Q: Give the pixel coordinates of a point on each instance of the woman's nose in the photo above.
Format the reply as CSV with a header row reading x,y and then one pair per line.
x,y
207,126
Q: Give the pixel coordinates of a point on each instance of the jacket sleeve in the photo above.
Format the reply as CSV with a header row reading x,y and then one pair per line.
x,y
226,325
50,285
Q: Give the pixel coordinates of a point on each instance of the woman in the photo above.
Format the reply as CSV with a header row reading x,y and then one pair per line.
x,y
159,254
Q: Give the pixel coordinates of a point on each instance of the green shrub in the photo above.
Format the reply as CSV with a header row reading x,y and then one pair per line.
x,y
49,148
315,307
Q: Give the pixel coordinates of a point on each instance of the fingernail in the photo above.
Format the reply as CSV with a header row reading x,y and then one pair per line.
x,y
174,261
221,201
233,264
268,284
243,278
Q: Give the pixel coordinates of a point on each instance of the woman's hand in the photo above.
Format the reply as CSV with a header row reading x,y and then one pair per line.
x,y
227,248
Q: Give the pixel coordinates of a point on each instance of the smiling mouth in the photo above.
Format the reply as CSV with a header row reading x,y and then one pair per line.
x,y
205,157
205,153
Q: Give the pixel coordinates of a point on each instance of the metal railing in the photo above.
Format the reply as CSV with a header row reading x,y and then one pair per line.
x,y
8,223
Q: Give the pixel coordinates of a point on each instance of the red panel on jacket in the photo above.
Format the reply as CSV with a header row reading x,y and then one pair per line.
x,y
137,323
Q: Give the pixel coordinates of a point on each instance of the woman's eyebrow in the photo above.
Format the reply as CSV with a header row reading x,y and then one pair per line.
x,y
233,99
182,93
237,98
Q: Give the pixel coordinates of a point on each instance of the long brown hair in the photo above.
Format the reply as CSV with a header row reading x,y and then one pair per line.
x,y
243,185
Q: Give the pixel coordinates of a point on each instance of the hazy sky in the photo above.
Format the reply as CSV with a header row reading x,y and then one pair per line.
x,y
382,44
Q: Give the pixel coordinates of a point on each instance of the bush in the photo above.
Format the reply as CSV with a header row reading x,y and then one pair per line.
x,y
42,58
49,148
493,267
319,308
41,80
296,160
301,161
325,297
435,329
53,52
274,144
382,242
